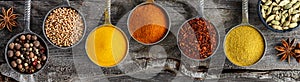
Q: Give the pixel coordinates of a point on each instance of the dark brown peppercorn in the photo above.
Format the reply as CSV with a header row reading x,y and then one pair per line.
x,y
22,37
28,37
44,57
38,66
19,61
31,55
11,46
26,45
34,37
20,66
36,43
10,53
18,53
26,67
13,64
17,46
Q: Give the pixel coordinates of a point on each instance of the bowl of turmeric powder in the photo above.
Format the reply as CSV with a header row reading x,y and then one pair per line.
x,y
148,23
244,45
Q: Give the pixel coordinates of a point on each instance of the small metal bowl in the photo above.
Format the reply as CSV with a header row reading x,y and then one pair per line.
x,y
268,26
265,43
127,45
42,41
84,28
217,40
167,17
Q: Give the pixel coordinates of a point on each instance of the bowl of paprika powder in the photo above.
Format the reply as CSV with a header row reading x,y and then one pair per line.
x,y
148,23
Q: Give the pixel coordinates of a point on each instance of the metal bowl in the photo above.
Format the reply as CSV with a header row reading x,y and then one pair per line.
x,y
127,44
42,43
265,43
84,24
167,17
217,40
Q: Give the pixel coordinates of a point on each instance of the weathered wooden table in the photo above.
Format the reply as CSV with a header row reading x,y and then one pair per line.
x,y
162,62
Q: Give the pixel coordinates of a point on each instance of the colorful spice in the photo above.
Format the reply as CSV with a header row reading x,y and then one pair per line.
x,y
197,39
106,46
64,27
244,46
142,34
148,23
27,54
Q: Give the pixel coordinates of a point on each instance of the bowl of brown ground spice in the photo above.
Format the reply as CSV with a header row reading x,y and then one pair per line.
x,y
148,23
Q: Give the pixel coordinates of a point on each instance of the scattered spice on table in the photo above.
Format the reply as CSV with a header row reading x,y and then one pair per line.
x,y
244,46
106,46
197,39
148,23
8,19
288,50
27,54
64,27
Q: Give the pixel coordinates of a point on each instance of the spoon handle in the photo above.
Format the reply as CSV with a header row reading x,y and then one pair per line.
x,y
27,15
150,1
245,11
67,2
201,8
107,13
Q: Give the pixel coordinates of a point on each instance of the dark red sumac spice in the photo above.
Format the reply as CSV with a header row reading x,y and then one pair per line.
x,y
197,39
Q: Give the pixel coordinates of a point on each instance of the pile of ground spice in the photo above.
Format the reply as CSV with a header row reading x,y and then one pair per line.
x,y
148,23
244,46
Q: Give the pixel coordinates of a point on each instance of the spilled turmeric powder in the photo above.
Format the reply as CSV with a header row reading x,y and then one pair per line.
x,y
244,46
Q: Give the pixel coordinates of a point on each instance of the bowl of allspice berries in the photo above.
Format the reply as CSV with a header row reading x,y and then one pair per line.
x,y
26,53
279,15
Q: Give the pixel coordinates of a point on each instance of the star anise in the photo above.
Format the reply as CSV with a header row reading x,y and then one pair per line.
x,y
286,50
7,19
297,52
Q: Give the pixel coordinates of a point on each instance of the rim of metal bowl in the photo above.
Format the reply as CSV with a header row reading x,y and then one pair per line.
x,y
269,27
127,45
39,38
265,43
84,28
217,43
167,17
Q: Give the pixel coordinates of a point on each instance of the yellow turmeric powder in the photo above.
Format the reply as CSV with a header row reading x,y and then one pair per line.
x,y
244,46
106,46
